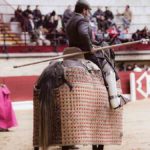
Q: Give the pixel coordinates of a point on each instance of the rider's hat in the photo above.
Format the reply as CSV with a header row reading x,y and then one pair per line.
x,y
84,3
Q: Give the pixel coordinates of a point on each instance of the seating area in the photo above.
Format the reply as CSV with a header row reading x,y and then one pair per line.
x,y
13,39
7,37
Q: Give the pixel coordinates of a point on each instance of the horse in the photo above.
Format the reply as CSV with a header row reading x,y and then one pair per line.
x,y
72,107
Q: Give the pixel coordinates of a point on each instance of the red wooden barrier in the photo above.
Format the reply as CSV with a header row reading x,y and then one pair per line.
x,y
60,48
21,87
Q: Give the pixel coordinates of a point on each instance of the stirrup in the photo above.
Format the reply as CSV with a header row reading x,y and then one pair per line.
x,y
112,98
123,100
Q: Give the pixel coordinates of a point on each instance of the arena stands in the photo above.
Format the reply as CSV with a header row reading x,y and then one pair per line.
x,y
140,18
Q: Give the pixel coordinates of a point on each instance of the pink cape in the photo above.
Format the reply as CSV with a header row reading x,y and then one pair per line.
x,y
7,115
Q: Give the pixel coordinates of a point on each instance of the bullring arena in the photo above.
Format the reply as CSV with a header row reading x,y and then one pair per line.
x,y
136,130
132,63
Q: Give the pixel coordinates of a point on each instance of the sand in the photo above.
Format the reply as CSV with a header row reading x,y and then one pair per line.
x,y
136,130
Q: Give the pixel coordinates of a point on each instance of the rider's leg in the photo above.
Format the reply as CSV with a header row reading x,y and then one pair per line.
x,y
110,78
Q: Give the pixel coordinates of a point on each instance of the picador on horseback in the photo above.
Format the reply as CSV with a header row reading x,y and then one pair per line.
x,y
80,35
78,101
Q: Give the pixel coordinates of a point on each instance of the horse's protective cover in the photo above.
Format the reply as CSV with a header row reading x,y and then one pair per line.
x,y
77,115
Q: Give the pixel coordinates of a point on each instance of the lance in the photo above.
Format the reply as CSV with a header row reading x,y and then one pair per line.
x,y
144,41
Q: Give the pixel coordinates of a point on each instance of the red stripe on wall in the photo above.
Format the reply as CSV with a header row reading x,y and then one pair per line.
x,y
60,48
125,81
21,87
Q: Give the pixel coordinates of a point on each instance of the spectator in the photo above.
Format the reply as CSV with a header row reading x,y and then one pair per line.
x,y
141,34
137,68
127,17
108,15
103,24
66,16
20,18
41,22
112,31
113,34
30,24
18,14
52,22
137,35
121,67
145,33
37,15
30,28
129,67
124,35
27,12
98,13
41,38
7,115
59,27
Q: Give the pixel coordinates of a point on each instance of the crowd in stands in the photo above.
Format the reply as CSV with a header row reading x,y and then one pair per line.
x,y
50,28
133,67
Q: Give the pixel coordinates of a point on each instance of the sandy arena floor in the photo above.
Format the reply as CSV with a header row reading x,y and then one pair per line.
x,y
136,130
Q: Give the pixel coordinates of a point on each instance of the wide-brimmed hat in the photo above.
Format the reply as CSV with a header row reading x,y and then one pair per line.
x,y
84,2
71,50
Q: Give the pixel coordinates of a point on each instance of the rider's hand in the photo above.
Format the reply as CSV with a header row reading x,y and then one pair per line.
x,y
93,50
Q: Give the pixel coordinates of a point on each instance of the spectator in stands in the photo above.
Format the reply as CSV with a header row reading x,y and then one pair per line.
x,y
125,36
127,17
27,12
145,33
41,38
98,13
137,68
137,35
51,25
121,67
52,22
41,22
19,17
108,15
147,68
94,27
113,34
59,27
37,15
30,25
112,31
66,16
45,22
129,67
18,14
103,24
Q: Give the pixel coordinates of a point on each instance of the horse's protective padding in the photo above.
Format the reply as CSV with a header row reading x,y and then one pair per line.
x,y
82,115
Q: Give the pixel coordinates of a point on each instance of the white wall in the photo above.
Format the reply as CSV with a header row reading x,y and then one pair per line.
x,y
140,8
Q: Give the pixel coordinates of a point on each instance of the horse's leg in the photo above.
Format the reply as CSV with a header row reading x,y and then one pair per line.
x,y
97,147
36,148
71,147
65,147
100,147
